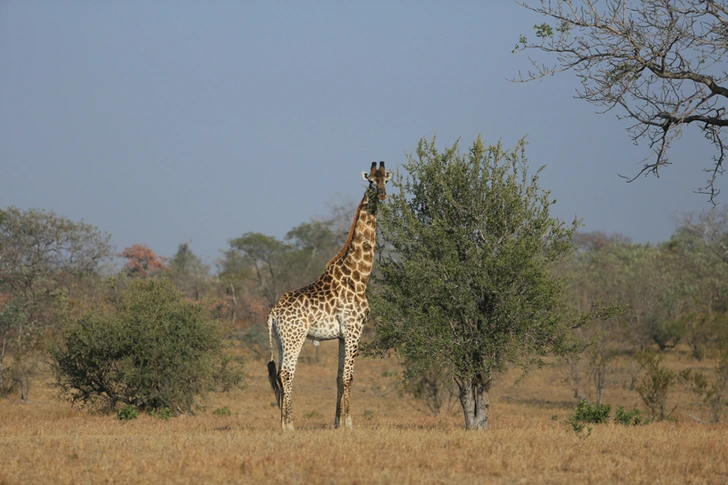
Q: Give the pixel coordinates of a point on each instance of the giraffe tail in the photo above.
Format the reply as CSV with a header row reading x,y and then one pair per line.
x,y
273,377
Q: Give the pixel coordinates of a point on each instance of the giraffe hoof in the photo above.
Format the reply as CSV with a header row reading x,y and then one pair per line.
x,y
347,423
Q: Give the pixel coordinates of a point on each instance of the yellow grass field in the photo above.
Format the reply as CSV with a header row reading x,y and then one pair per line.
x,y
48,442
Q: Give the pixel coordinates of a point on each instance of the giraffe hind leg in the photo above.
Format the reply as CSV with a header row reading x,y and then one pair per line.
x,y
291,349
286,381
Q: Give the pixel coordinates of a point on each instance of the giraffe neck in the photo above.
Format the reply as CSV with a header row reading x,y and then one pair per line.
x,y
357,256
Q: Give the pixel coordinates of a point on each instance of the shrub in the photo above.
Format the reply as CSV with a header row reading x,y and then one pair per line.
x,y
148,348
586,413
633,417
127,412
655,385
713,391
163,413
228,373
592,413
224,411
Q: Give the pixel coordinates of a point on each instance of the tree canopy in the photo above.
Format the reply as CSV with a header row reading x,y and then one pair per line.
x,y
467,283
661,63
147,347
142,261
42,255
188,272
39,248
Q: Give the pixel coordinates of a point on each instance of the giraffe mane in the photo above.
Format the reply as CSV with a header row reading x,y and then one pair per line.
x,y
344,249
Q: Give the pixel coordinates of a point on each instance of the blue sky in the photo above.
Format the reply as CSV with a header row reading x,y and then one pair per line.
x,y
166,122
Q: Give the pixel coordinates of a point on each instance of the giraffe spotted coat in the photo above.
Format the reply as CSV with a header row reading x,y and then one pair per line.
x,y
332,307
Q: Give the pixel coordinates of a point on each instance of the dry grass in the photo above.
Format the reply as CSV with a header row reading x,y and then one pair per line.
x,y
48,442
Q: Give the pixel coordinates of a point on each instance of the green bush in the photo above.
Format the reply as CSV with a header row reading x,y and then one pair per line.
x,y
148,348
586,413
127,412
224,411
655,385
633,417
163,413
713,390
228,373
592,413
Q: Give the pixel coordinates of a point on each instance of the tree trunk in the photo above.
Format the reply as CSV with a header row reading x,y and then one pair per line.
x,y
235,305
599,380
474,397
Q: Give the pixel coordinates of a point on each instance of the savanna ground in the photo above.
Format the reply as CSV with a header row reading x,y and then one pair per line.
x,y
48,441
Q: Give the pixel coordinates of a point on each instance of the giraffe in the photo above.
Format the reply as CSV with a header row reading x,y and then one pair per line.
x,y
334,306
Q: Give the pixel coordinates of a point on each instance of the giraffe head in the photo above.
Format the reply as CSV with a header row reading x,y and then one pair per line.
x,y
378,178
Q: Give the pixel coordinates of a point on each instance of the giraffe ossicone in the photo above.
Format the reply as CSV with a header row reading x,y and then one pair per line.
x,y
334,306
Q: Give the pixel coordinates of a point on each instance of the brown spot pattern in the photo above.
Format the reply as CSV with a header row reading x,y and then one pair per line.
x,y
334,306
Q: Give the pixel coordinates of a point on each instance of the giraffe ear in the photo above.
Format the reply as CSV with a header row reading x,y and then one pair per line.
x,y
389,176
365,176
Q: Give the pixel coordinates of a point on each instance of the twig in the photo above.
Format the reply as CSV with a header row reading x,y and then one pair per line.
x,y
696,419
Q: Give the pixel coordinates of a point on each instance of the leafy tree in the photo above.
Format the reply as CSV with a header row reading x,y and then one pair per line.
x,y
253,274
468,283
656,298
655,385
662,64
699,251
706,229
41,251
593,279
712,391
646,281
266,256
148,348
188,272
142,261
312,245
42,256
314,237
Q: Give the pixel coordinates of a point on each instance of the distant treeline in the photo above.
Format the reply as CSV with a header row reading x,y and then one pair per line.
x,y
52,269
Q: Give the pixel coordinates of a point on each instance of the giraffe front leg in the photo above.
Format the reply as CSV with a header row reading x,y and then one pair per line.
x,y
340,383
347,352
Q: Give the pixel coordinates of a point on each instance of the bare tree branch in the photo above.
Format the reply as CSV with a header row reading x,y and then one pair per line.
x,y
660,62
